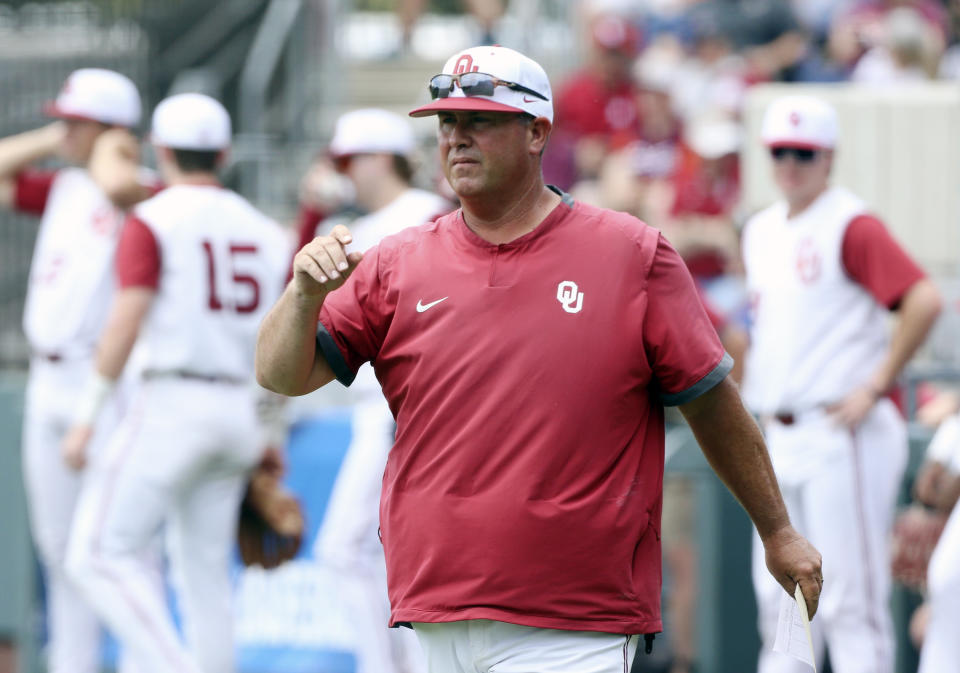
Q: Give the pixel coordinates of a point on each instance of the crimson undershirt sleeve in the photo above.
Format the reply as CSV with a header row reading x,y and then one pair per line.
x,y
682,345
138,255
874,259
31,190
353,319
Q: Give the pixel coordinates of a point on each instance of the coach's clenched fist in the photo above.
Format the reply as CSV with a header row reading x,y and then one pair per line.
x,y
323,264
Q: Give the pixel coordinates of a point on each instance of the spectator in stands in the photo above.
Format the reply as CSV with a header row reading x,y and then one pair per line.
x,y
765,32
486,12
864,27
596,107
907,51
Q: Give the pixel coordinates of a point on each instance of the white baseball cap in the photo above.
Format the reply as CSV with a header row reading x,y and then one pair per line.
x,y
372,131
713,136
99,95
800,121
191,121
506,65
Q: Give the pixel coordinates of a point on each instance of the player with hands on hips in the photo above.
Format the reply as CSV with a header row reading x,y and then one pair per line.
x,y
527,435
197,267
68,296
823,273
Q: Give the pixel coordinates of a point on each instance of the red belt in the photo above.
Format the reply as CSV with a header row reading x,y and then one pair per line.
x,y
785,418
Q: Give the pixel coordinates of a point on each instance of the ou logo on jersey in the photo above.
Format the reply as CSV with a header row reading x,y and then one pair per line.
x,y
569,296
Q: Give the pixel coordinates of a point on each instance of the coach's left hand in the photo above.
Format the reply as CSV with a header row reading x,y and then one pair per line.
x,y
792,560
74,447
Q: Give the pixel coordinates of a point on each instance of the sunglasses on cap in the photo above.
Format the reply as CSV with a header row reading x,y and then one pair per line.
x,y
473,84
802,154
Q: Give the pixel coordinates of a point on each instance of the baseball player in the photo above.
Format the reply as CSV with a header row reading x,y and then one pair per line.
x,y
822,274
526,344
938,486
68,297
197,266
372,148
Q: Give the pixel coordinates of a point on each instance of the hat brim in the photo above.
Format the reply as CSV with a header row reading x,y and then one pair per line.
x,y
466,103
796,144
51,109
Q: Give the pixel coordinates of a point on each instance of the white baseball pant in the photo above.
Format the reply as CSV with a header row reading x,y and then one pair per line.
x,y
941,643
840,489
486,646
348,543
180,458
52,489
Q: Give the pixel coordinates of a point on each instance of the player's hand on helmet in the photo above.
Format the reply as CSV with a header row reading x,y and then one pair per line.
x,y
852,409
74,446
792,560
323,264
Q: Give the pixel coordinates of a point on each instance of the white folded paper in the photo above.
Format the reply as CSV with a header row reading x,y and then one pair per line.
x,y
793,629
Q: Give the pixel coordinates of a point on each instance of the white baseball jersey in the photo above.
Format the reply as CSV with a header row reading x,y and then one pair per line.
x,y
223,265
71,276
817,334
413,207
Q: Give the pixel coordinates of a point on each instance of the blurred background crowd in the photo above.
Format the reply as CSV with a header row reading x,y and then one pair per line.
x,y
650,100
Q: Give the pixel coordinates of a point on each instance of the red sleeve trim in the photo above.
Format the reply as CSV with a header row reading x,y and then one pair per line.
x,y
31,191
874,259
138,255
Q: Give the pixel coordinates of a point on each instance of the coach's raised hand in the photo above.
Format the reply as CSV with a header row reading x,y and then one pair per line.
x,y
323,264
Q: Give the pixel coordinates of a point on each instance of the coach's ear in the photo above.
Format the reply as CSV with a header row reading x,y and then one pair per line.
x,y
222,157
537,134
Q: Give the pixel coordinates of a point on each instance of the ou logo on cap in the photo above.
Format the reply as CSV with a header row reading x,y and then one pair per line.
x,y
569,297
465,64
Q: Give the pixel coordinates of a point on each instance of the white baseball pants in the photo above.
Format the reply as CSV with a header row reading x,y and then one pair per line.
x,y
52,489
180,458
941,644
485,646
840,488
348,543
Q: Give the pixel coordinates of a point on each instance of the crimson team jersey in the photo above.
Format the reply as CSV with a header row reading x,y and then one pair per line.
x,y
528,381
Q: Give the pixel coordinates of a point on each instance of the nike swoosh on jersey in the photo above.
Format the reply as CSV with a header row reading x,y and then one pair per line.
x,y
421,307
529,100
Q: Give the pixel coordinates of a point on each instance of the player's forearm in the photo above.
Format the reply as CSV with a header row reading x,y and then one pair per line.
x,y
917,314
734,447
129,309
19,151
287,358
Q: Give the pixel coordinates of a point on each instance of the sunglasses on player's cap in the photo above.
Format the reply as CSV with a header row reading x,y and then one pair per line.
x,y
802,124
495,79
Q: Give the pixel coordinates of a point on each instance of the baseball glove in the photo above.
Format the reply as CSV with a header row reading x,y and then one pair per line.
x,y
915,534
271,522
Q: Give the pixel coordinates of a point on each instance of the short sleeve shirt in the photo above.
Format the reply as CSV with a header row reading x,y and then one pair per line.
x,y
528,381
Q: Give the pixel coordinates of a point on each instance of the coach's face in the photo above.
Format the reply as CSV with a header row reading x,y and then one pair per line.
x,y
79,139
801,174
489,152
